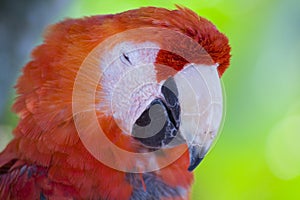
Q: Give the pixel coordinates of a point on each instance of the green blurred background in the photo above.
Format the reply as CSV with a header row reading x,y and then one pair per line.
x,y
257,155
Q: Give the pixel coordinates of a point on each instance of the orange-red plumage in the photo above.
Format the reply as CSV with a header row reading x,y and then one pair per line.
x,y
46,159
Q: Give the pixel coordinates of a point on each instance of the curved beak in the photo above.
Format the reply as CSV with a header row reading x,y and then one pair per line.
x,y
201,101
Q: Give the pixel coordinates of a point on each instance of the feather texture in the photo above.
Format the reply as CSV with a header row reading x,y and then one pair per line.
x,y
46,159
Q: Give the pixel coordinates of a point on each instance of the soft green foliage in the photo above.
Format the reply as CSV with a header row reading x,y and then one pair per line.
x,y
257,155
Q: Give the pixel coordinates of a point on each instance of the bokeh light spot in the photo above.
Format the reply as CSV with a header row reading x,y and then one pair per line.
x,y
282,148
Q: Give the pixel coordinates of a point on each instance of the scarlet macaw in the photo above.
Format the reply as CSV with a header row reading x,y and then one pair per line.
x,y
148,77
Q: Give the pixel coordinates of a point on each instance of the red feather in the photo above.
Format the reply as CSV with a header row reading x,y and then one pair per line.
x,y
46,159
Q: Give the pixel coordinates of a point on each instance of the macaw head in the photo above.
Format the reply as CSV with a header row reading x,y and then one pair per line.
x,y
139,90
107,99
155,84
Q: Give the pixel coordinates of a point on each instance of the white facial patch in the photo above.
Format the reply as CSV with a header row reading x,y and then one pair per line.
x,y
129,81
201,101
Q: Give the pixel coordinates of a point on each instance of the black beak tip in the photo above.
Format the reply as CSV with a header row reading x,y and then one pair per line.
x,y
194,163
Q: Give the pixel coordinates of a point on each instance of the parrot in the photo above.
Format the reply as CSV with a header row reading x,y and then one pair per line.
x,y
117,106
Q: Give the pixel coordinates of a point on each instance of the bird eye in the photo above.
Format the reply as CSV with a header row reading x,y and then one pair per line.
x,y
125,59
